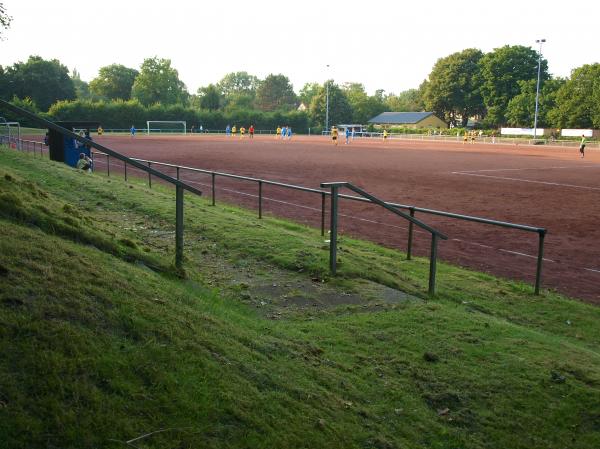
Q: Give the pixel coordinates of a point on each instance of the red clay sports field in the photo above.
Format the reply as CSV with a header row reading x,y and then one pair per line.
x,y
548,187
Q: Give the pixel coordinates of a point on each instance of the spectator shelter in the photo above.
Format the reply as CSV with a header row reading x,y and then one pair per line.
x,y
408,120
63,148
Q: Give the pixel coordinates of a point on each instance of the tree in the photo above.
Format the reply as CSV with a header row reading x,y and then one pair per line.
x,y
406,101
308,92
499,76
340,110
451,90
237,83
114,82
45,82
82,90
521,108
364,107
275,93
158,82
210,97
238,90
5,19
578,99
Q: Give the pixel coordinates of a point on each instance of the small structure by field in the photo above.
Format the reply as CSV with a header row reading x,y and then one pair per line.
x,y
408,120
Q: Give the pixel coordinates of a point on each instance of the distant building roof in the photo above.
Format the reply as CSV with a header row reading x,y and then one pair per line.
x,y
400,118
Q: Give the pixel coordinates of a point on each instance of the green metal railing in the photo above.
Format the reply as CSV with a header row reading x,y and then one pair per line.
x,y
541,232
435,235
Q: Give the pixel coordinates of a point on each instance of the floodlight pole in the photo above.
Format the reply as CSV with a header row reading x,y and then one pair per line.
x,y
537,90
327,102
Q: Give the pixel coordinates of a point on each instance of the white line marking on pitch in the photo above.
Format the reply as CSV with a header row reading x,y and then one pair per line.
x,y
558,184
524,169
591,269
525,255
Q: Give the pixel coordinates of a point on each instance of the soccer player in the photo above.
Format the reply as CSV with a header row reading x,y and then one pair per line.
x,y
385,135
283,132
228,131
347,136
233,130
278,132
132,130
582,146
242,131
289,132
251,131
334,135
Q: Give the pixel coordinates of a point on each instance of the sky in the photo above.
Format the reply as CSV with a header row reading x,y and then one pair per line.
x,y
390,45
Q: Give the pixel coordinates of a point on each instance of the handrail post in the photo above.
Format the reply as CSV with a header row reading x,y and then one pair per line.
x,y
125,169
179,226
260,188
333,219
108,165
432,264
410,235
540,259
177,173
149,177
213,187
323,213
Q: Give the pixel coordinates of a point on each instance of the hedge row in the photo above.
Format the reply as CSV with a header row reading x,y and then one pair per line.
x,y
123,114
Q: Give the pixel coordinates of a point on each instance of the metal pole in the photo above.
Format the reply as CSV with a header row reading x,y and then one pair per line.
x,y
432,264
333,230
327,107
125,169
108,165
538,274
410,236
213,188
537,90
327,102
322,213
149,177
177,173
260,187
178,226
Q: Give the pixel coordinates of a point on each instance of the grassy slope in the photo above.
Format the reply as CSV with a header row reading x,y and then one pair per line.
x,y
100,343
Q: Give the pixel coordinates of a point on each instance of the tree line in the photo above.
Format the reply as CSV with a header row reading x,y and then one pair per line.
x,y
496,88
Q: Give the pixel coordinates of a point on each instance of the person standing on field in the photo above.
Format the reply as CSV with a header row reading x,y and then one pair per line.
x,y
334,135
582,146
251,131
132,130
278,132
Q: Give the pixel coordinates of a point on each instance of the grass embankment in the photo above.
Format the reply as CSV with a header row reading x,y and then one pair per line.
x,y
103,345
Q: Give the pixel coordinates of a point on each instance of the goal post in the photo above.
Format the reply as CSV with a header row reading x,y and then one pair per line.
x,y
10,132
158,126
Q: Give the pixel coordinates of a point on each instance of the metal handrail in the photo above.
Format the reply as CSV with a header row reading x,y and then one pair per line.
x,y
179,185
435,234
412,209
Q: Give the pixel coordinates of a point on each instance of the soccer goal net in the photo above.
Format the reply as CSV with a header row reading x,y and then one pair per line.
x,y
162,126
10,132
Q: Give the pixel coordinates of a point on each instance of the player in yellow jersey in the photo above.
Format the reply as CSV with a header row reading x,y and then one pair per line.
x,y
242,131
334,135
233,130
385,134
278,132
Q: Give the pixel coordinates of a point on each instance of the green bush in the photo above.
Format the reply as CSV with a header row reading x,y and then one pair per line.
x,y
121,114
